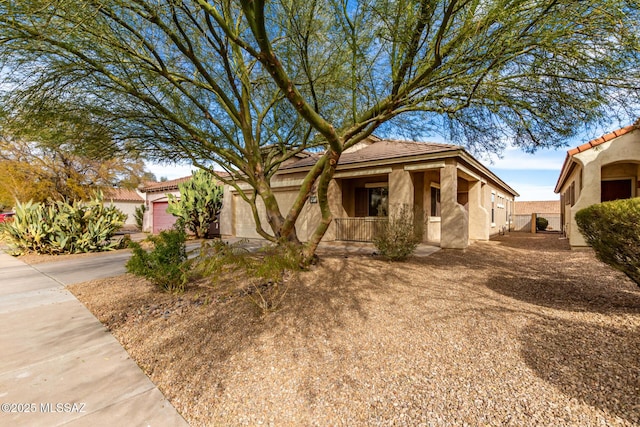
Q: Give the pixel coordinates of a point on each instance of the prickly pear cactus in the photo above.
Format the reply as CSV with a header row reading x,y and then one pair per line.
x,y
60,227
199,204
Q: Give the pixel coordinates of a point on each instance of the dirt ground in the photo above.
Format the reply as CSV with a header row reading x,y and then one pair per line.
x,y
519,330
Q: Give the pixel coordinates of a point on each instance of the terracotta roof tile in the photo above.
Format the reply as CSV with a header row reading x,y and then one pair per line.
x,y
589,145
602,139
171,184
122,195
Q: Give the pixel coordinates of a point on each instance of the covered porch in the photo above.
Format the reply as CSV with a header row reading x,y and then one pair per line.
x,y
446,199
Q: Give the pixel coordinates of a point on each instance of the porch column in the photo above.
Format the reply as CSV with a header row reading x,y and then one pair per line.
x,y
478,215
334,194
401,191
454,233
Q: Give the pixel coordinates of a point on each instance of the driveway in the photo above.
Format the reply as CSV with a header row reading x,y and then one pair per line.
x,y
76,270
96,266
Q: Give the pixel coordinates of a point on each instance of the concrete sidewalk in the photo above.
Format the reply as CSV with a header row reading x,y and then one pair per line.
x,y
60,366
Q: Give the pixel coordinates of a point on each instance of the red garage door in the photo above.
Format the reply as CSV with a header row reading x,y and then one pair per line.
x,y
161,219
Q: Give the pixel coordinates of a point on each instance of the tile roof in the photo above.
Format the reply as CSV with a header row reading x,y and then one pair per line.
x,y
547,206
564,172
385,149
604,138
171,184
122,195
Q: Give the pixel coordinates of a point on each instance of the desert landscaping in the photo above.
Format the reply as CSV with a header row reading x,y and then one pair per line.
x,y
519,330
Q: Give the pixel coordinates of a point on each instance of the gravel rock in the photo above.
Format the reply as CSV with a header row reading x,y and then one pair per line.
x,y
519,330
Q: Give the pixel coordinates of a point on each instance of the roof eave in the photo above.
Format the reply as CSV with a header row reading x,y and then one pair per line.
x,y
476,164
382,162
564,172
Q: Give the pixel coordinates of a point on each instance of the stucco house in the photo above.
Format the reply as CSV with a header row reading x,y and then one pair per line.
x,y
603,169
126,200
455,199
156,218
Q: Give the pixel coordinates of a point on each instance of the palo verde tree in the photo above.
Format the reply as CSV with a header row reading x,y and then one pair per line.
x,y
249,84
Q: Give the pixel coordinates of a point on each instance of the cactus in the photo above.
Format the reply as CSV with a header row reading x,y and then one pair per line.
x,y
199,204
60,227
139,216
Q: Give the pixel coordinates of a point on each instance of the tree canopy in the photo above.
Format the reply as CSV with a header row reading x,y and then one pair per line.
x,y
61,154
248,84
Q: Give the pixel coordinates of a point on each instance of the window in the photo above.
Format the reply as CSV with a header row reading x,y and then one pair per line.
x,y
572,193
372,201
616,189
493,208
378,201
435,201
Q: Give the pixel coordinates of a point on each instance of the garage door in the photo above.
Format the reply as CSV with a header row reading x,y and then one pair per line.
x,y
161,219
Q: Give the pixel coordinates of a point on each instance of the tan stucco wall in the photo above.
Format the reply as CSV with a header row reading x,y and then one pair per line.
x,y
401,191
479,226
454,233
503,207
244,225
128,208
618,158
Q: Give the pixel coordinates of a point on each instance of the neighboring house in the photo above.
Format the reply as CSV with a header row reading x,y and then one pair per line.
x,y
156,218
455,198
125,200
606,168
548,209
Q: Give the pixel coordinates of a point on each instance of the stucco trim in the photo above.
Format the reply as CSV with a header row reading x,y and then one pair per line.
x,y
354,173
424,166
490,175
472,174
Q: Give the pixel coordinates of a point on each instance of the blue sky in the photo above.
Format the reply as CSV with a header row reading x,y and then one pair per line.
x,y
534,176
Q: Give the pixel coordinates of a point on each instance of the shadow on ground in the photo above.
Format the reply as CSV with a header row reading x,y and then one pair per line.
x,y
542,270
567,292
596,364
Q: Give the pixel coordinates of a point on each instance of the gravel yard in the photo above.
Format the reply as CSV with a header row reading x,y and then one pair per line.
x,y
515,331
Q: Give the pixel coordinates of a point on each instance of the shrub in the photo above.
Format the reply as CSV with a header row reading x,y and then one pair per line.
x,y
262,274
399,237
60,227
165,265
199,204
541,223
611,228
267,265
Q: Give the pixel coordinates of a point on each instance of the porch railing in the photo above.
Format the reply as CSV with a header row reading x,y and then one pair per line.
x,y
359,229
